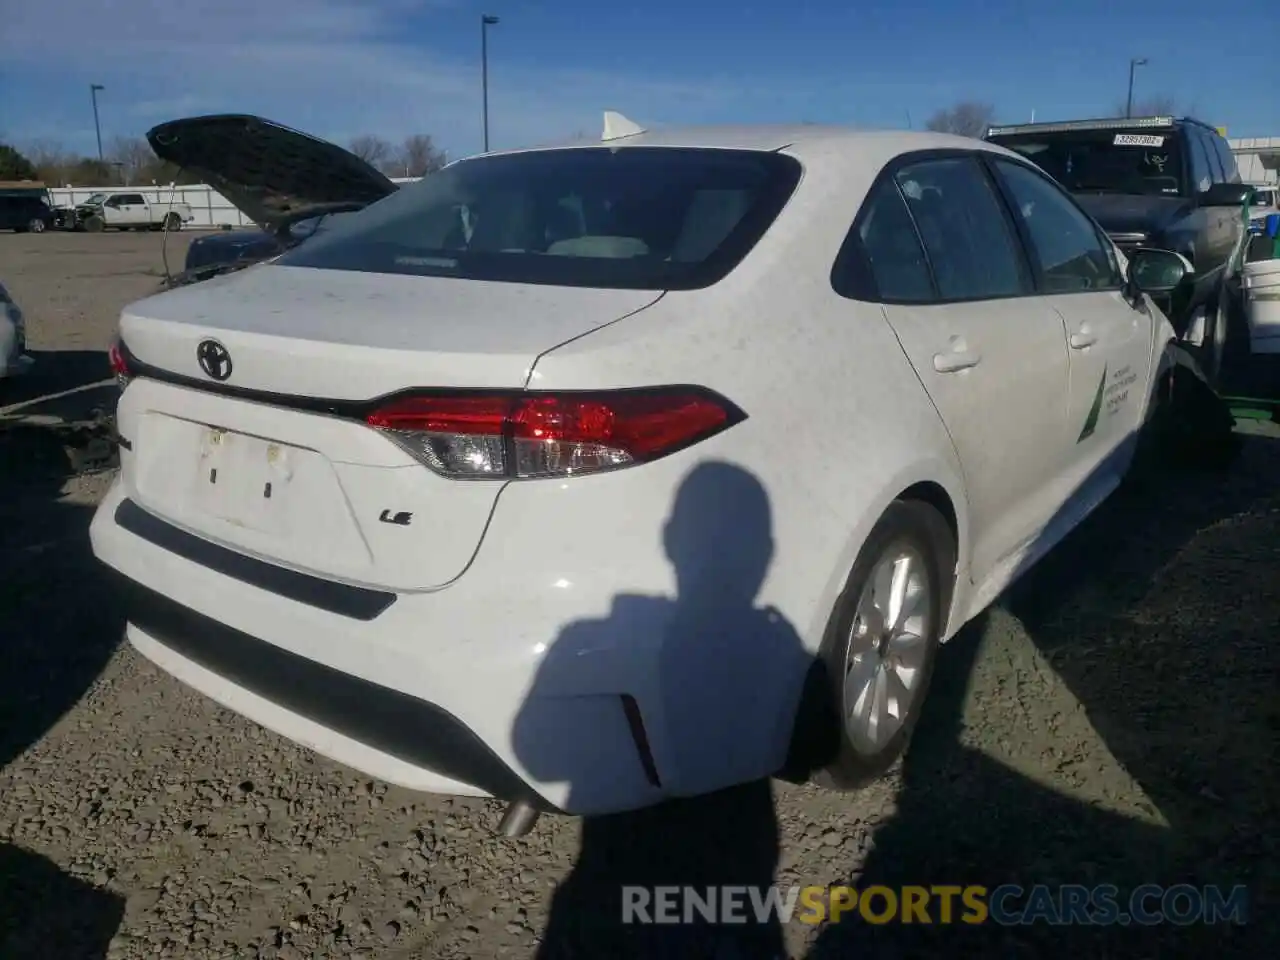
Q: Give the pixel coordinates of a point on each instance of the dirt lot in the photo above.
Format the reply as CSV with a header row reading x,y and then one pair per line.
x,y
1115,721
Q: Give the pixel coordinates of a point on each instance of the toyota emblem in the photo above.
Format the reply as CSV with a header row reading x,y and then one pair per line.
x,y
214,359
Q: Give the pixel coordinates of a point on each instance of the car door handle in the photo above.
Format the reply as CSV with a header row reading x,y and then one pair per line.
x,y
1082,339
955,360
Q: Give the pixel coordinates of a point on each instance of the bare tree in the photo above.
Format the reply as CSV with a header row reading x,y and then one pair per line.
x,y
91,172
416,157
135,158
372,150
51,160
969,118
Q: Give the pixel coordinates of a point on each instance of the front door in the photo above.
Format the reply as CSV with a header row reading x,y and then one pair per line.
x,y
133,209
1109,342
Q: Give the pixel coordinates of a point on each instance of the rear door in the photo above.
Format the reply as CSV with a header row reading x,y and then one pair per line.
x,y
958,293
1217,235
1109,341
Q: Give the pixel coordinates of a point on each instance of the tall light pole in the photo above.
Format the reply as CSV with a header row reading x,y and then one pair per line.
x,y
93,93
486,21
1133,64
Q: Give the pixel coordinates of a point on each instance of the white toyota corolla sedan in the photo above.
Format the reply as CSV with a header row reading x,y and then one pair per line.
x,y
590,476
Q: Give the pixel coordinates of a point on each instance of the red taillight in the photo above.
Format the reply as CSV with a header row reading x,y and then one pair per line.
x,y
119,365
503,436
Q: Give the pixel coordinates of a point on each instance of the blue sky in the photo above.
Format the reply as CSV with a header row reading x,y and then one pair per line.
x,y
337,68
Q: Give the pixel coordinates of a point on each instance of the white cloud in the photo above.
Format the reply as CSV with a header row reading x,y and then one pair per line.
x,y
332,67
338,68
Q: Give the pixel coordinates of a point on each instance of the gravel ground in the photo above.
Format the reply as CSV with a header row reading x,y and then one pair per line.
x,y
1115,720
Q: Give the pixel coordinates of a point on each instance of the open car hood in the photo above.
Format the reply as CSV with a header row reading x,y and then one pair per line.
x,y
268,171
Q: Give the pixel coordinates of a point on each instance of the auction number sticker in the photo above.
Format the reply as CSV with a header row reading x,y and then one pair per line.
x,y
1137,140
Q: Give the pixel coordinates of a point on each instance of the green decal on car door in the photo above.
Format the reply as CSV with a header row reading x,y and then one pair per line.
x,y
1091,422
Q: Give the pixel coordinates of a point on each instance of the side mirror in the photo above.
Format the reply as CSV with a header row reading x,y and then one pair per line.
x,y
1156,272
1225,195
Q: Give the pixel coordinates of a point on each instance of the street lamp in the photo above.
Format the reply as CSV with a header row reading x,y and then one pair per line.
x,y
486,21
93,92
1133,64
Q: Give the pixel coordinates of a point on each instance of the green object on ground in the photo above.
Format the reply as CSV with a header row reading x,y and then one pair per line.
x,y
1253,408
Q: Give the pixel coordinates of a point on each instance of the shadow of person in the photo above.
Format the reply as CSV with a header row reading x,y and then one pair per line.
x,y
1073,729
45,913
965,818
58,630
729,678
59,375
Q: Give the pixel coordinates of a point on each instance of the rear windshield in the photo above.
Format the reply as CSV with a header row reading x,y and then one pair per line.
x,y
650,218
1140,161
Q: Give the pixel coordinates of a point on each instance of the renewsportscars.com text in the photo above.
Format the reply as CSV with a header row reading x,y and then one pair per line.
x,y
1007,905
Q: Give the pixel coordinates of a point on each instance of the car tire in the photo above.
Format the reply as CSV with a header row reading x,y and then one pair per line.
x,y
864,657
36,225
1190,427
93,224
172,221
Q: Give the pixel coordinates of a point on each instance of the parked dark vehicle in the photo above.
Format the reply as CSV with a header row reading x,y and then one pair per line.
x,y
288,183
214,253
25,209
1144,180
1160,182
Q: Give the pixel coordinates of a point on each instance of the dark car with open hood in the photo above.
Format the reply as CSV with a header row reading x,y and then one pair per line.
x,y
289,183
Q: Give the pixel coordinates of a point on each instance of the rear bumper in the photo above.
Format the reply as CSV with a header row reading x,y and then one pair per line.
x,y
378,721
554,671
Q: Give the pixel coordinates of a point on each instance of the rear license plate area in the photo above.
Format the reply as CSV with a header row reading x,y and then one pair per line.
x,y
244,480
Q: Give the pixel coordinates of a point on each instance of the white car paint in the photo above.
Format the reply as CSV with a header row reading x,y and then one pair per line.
x,y
846,409
14,359
125,211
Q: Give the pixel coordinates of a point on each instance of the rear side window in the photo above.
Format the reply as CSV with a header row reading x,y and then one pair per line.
x,y
1230,172
1202,174
1215,160
968,237
892,248
649,218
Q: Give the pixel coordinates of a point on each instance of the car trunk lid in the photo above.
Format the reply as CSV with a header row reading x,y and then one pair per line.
x,y
276,459
269,171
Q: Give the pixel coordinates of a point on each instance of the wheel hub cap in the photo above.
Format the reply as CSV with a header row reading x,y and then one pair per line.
x,y
888,644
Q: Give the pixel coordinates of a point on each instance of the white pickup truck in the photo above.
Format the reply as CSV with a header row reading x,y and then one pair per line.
x,y
128,211
1265,201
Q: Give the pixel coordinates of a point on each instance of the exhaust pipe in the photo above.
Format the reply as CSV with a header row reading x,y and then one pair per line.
x,y
518,820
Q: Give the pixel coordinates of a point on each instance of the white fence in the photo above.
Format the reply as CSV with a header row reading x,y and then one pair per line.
x,y
211,209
